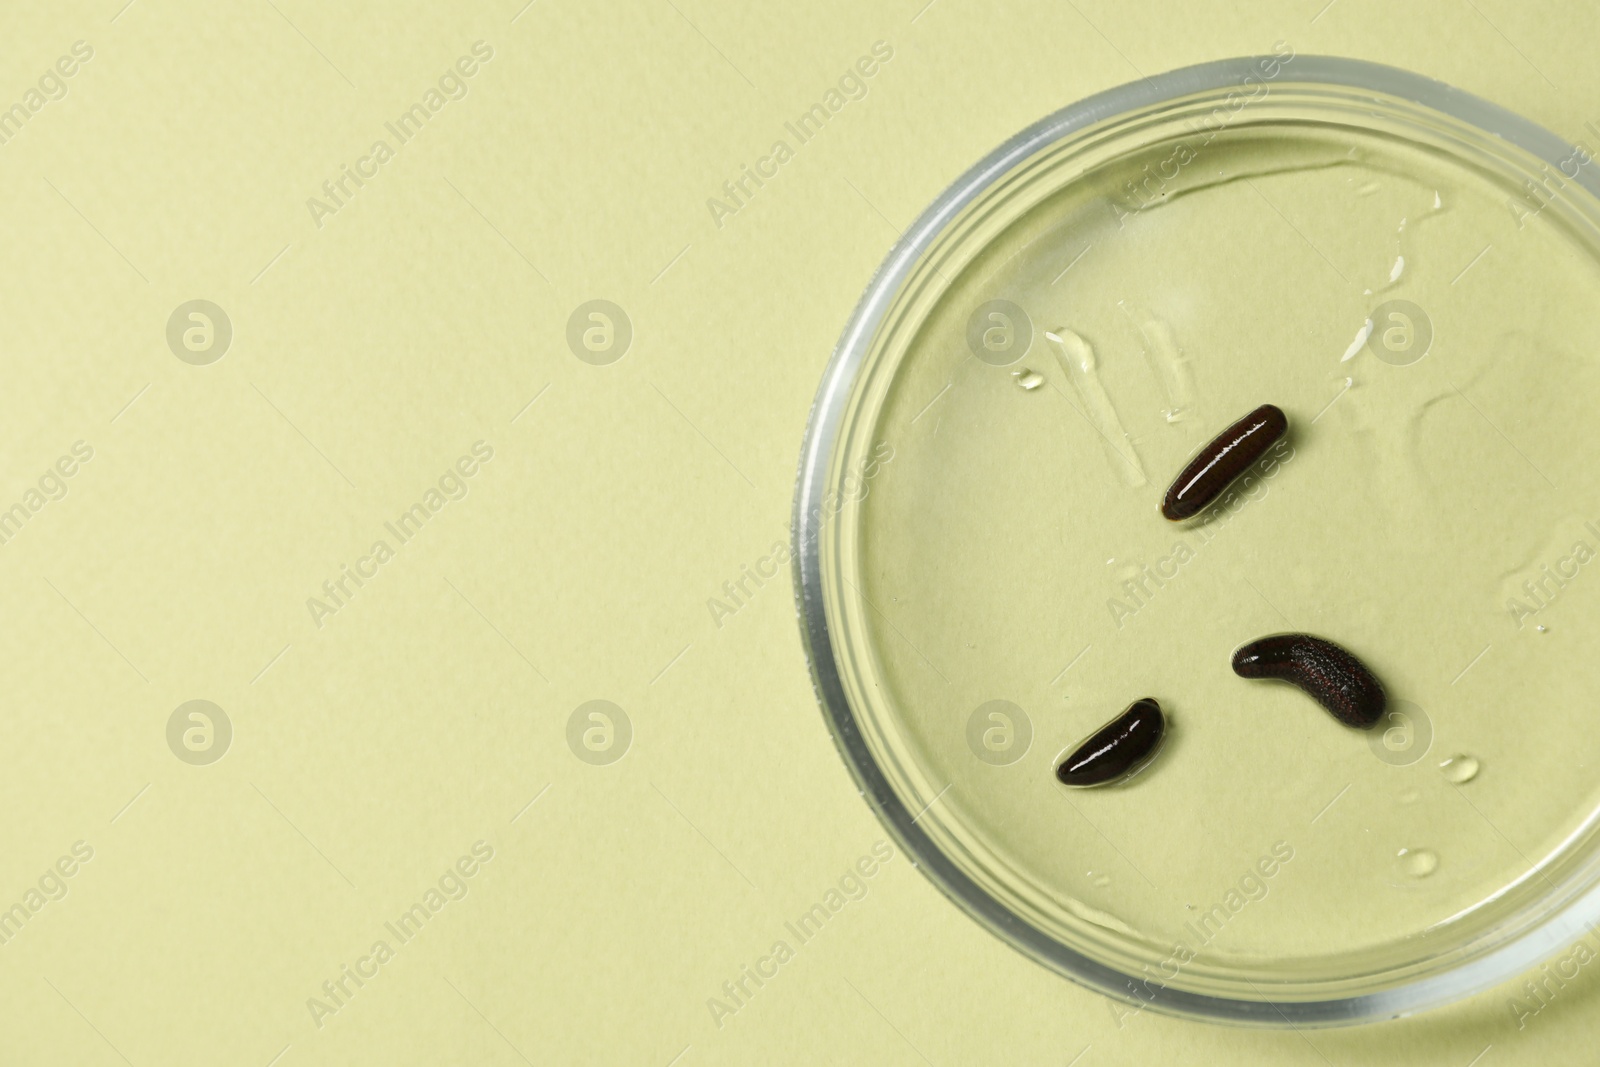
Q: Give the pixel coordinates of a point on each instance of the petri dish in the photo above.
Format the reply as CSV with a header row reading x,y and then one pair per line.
x,y
984,578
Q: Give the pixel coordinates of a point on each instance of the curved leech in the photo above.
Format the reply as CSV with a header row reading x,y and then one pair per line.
x,y
1118,748
1331,675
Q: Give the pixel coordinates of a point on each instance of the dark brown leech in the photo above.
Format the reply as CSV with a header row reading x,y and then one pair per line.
x,y
1332,676
1228,455
1117,748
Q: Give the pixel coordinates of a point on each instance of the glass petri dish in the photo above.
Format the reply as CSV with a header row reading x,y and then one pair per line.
x,y
984,579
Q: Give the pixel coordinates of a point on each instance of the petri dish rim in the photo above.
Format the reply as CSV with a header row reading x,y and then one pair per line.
x,y
1524,948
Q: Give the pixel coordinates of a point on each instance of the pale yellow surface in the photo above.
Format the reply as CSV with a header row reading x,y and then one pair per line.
x,y
371,753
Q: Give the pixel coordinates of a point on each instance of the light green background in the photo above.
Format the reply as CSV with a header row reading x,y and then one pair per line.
x,y
368,354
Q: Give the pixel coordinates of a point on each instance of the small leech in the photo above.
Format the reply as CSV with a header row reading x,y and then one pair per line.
x,y
1118,748
1228,455
1329,674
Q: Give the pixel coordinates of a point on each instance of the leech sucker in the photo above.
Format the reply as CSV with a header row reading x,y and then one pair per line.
x,y
1118,748
1228,455
1331,675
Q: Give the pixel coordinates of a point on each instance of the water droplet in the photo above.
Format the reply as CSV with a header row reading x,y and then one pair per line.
x,y
1416,862
1398,268
1368,189
1410,796
1359,343
1460,769
1099,879
1100,918
1028,379
1542,628
1076,358
1168,362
